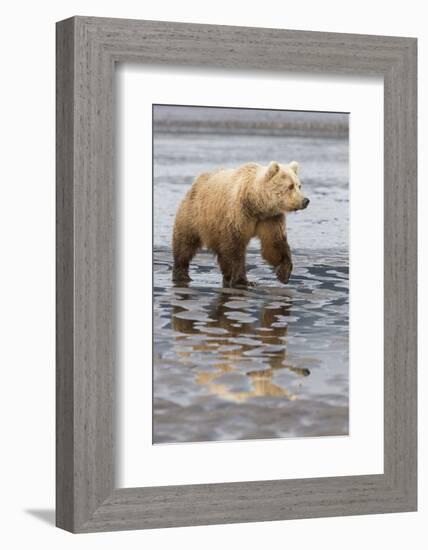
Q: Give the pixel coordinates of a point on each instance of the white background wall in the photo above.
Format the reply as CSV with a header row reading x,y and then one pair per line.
x,y
27,272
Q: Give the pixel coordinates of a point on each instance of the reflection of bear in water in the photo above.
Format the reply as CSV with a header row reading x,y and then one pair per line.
x,y
235,340
224,209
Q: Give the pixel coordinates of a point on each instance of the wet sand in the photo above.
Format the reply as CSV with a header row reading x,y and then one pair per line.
x,y
262,362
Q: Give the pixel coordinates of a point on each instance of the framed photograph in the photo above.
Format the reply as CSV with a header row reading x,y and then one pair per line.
x,y
236,274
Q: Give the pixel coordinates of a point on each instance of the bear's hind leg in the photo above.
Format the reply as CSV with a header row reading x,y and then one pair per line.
x,y
184,249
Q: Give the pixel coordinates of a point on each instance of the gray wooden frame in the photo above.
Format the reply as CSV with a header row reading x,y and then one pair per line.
x,y
87,50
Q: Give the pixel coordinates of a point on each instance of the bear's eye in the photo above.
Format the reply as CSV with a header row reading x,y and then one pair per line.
x,y
290,187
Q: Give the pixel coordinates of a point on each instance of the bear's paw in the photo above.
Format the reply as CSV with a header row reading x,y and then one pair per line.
x,y
283,272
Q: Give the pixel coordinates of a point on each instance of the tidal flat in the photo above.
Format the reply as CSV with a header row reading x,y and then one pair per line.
x,y
268,361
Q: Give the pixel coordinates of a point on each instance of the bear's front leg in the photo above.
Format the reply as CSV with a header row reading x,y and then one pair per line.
x,y
283,271
232,265
275,249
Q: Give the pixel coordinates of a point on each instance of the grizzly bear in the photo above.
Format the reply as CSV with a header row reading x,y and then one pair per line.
x,y
225,208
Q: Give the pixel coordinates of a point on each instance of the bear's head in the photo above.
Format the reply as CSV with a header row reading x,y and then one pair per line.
x,y
282,187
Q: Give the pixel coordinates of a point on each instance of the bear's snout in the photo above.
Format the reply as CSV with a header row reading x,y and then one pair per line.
x,y
305,202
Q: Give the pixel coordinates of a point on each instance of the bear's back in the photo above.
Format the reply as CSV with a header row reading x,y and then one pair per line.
x,y
224,179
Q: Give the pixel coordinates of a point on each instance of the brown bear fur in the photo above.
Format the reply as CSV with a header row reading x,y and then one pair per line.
x,y
224,209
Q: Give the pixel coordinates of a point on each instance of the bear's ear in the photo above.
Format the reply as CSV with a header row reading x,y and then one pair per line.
x,y
272,169
294,165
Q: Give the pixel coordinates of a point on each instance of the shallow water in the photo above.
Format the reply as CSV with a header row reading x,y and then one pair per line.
x,y
263,362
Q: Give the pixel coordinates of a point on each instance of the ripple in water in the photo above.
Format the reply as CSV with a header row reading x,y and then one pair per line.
x,y
270,361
